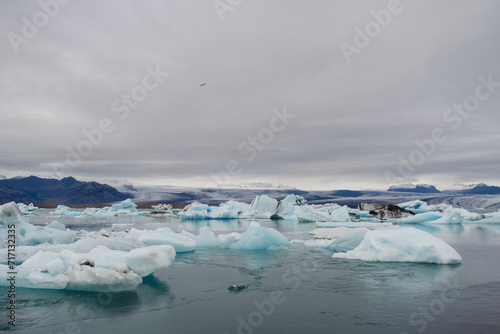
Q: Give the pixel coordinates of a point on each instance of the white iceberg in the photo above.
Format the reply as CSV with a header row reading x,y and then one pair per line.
x,y
27,210
164,236
207,238
402,245
257,237
145,261
63,210
12,219
125,208
264,205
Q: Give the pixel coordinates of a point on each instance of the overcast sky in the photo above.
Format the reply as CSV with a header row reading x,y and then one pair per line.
x,y
355,104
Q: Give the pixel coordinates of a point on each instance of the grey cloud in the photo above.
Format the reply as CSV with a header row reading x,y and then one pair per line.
x,y
353,120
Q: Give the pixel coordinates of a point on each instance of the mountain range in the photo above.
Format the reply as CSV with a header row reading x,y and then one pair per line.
x,y
70,191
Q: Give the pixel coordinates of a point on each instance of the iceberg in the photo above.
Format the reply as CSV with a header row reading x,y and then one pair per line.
x,y
127,208
416,206
264,205
164,236
199,211
421,218
207,238
257,237
86,278
341,215
57,226
101,269
63,210
145,261
27,210
27,234
402,245
309,214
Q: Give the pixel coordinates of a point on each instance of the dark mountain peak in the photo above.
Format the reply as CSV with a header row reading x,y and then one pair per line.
x,y
51,191
68,180
411,188
482,189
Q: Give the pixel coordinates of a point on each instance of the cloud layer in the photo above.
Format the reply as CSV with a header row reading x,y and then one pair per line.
x,y
354,121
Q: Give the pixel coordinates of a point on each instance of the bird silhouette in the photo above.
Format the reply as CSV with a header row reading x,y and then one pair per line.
x,y
203,84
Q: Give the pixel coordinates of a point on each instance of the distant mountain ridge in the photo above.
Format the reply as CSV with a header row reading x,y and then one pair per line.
x,y
68,191
411,188
477,189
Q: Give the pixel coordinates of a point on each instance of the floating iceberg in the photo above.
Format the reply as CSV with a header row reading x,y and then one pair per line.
x,y
402,245
164,236
257,237
27,234
147,260
101,269
63,210
28,210
127,208
198,211
207,238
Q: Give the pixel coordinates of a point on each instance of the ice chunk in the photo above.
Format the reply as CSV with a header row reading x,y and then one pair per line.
x,y
27,234
264,204
228,239
348,241
40,261
308,214
420,218
164,236
203,211
416,206
286,208
145,261
88,278
28,210
57,226
207,238
454,218
29,278
341,215
402,245
257,237
63,210
127,207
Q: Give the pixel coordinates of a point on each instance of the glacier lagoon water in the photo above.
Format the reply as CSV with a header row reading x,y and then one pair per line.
x,y
299,290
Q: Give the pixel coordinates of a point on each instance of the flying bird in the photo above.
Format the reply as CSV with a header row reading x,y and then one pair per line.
x,y
203,84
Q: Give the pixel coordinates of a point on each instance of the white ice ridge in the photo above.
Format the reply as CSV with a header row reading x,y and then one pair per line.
x,y
127,208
